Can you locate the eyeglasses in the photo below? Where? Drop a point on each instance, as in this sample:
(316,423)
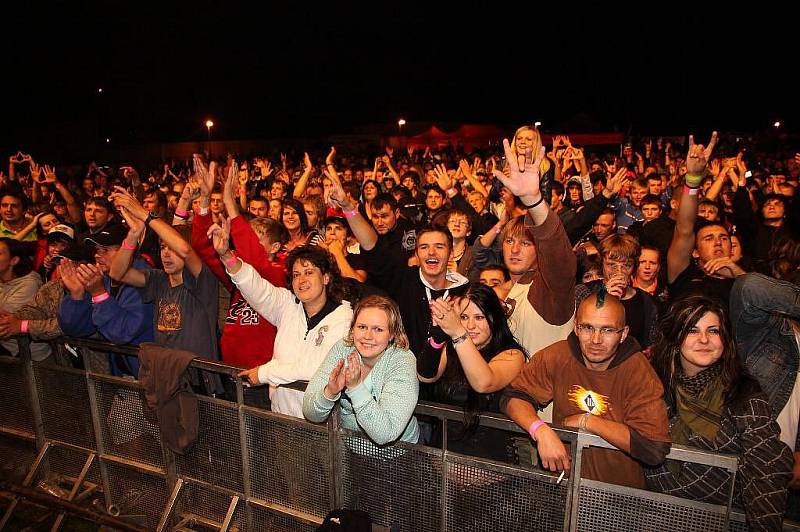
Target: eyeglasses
(584,329)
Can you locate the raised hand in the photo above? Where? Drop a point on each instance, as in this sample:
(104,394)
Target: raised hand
(130,173)
(331,155)
(389,151)
(191,191)
(124,199)
(523,178)
(307,162)
(697,160)
(49,174)
(35,171)
(463,165)
(615,183)
(336,196)
(135,225)
(205,174)
(266,169)
(444,181)
(714,168)
(220,235)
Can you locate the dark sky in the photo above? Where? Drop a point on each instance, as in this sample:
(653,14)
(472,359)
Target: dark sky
(297,69)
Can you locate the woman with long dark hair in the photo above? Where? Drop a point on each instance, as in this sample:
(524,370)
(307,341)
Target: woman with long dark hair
(484,359)
(296,223)
(714,405)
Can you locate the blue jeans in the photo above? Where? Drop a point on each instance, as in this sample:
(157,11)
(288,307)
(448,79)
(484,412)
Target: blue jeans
(761,307)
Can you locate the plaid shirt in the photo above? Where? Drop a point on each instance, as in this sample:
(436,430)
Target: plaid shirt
(765,466)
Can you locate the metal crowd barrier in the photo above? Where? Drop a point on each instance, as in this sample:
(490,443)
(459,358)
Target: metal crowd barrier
(77,442)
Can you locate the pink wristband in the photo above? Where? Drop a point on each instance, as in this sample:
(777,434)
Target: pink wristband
(350,214)
(229,263)
(692,191)
(23,326)
(102,297)
(182,213)
(129,247)
(534,427)
(434,344)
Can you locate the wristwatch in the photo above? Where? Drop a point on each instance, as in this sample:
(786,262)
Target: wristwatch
(150,218)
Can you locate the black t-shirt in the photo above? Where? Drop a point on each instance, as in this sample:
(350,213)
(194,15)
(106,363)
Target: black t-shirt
(694,282)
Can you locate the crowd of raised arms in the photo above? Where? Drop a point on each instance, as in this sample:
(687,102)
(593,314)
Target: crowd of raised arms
(647,296)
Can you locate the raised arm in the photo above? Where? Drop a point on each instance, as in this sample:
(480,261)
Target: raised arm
(121,266)
(483,377)
(474,181)
(362,229)
(167,233)
(73,209)
(300,186)
(523,181)
(388,162)
(680,250)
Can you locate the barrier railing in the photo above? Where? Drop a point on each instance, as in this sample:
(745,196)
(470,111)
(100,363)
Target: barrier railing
(76,440)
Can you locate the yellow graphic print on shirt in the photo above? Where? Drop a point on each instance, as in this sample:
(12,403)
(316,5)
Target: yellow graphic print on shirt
(169,316)
(589,401)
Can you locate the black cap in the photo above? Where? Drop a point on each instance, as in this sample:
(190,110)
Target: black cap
(111,235)
(336,219)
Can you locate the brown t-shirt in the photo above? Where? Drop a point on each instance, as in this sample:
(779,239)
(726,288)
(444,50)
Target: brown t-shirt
(628,392)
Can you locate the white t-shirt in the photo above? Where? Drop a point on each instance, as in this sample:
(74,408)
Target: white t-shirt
(788,418)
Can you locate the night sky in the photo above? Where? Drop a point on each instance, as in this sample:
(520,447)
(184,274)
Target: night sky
(303,70)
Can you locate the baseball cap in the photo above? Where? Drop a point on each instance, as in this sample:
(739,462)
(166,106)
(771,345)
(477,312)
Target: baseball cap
(111,235)
(61,232)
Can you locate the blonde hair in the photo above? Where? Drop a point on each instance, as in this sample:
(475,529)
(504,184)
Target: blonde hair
(392,311)
(537,146)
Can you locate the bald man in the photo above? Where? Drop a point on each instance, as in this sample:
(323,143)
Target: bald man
(598,381)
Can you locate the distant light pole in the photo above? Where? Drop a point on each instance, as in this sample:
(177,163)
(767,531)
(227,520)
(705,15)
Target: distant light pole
(400,124)
(777,124)
(209,125)
(537,124)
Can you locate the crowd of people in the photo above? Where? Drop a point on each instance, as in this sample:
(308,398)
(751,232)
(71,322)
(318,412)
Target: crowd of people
(649,296)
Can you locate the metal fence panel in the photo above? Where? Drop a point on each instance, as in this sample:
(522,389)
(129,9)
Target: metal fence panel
(265,519)
(16,457)
(15,401)
(216,456)
(401,484)
(64,400)
(200,504)
(501,499)
(289,463)
(126,431)
(137,493)
(614,508)
(60,468)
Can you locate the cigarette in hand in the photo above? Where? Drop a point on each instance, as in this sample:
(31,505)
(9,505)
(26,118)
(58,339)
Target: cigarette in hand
(560,477)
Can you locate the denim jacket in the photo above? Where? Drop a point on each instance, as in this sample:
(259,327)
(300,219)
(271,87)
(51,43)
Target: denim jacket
(761,311)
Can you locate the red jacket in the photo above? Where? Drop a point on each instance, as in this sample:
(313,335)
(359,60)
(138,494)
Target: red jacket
(247,338)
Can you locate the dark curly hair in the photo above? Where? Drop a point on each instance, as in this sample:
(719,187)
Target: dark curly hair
(325,262)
